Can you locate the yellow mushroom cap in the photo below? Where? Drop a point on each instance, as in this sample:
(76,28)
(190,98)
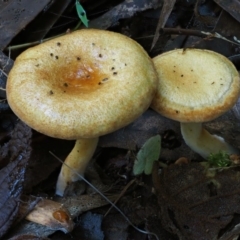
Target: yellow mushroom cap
(82,85)
(195,85)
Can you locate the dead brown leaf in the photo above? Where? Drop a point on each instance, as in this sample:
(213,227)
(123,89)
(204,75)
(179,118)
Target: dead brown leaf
(124,10)
(28,237)
(17,152)
(230,6)
(165,12)
(197,202)
(75,205)
(15,15)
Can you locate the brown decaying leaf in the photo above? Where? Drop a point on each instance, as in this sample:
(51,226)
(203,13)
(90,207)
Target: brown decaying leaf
(79,204)
(75,205)
(52,214)
(230,6)
(28,237)
(5,65)
(124,10)
(165,12)
(15,15)
(197,202)
(17,151)
(45,21)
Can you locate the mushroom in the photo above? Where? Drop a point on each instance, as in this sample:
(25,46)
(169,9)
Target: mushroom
(81,86)
(196,86)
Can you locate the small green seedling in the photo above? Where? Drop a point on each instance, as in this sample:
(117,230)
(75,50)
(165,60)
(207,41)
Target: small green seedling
(81,13)
(220,159)
(146,156)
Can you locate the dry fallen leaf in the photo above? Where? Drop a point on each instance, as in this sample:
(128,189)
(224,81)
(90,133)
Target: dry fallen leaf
(28,237)
(164,15)
(52,214)
(17,152)
(15,15)
(124,10)
(197,202)
(75,205)
(230,6)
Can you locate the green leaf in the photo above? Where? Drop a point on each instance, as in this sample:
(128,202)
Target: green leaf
(146,156)
(81,13)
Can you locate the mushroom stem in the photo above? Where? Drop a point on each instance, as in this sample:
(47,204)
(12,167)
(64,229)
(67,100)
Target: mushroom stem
(78,159)
(202,142)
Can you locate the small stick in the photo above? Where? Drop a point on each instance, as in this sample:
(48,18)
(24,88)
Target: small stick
(197,33)
(120,195)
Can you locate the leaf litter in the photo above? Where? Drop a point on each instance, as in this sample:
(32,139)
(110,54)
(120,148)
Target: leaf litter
(17,153)
(197,202)
(206,204)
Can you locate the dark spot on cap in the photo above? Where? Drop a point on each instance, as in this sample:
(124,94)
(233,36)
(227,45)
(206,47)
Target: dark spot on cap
(177,111)
(182,75)
(114,73)
(78,58)
(112,68)
(56,57)
(100,55)
(65,85)
(212,83)
(58,43)
(51,92)
(51,54)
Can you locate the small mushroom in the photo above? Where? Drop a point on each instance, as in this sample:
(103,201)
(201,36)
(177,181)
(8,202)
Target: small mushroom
(196,86)
(73,94)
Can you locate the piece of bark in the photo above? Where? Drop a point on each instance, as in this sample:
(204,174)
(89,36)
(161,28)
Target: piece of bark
(17,151)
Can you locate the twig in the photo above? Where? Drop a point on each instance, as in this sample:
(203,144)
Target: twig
(42,40)
(120,195)
(32,43)
(177,31)
(3,73)
(198,34)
